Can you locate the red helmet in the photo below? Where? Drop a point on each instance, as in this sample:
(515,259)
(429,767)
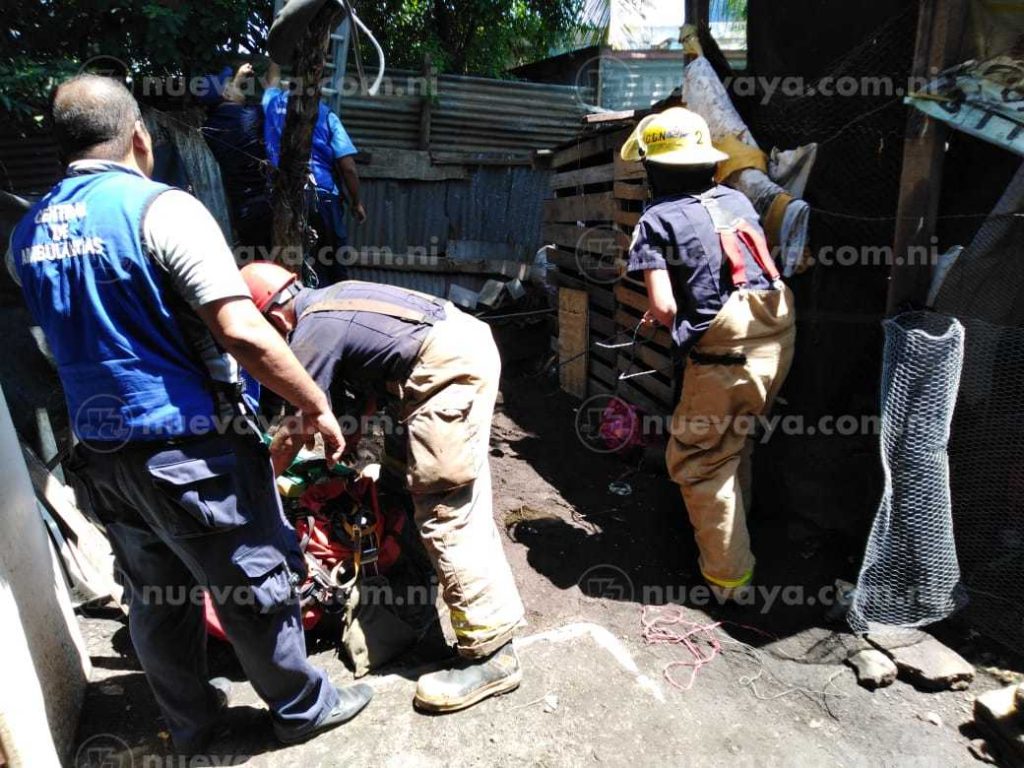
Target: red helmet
(267,282)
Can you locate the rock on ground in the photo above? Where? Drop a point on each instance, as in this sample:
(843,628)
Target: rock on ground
(999,720)
(874,669)
(925,661)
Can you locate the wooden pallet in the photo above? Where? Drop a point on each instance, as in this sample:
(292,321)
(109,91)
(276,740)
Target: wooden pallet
(596,201)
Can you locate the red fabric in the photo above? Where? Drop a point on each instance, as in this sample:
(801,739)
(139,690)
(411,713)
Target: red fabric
(758,246)
(733,254)
(213,625)
(620,425)
(754,240)
(324,547)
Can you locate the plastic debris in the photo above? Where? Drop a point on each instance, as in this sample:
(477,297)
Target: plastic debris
(620,488)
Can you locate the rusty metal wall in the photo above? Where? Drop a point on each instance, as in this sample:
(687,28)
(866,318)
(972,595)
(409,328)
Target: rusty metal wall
(494,205)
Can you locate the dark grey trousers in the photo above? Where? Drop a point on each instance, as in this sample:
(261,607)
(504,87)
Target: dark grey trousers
(205,513)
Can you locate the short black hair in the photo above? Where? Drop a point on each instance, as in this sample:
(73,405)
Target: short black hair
(93,116)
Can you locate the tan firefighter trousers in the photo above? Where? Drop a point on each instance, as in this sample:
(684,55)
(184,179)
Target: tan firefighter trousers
(447,407)
(730,380)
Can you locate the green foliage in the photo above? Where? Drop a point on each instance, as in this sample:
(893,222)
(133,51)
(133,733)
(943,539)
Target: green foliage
(47,40)
(469,36)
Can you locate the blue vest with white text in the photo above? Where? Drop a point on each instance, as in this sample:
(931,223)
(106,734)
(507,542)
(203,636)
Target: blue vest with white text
(128,372)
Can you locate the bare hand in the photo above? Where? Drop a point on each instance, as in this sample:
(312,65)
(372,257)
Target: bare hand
(244,71)
(300,430)
(359,211)
(334,441)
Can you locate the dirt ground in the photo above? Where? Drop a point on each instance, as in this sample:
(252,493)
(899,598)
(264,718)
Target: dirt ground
(594,693)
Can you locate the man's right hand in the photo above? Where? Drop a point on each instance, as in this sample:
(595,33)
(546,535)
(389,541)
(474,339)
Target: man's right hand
(298,431)
(359,211)
(244,333)
(334,441)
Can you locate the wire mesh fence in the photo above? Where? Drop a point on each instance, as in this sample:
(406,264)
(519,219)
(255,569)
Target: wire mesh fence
(910,576)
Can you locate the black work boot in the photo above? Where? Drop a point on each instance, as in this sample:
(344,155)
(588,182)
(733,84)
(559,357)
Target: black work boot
(222,692)
(351,701)
(473,680)
(220,689)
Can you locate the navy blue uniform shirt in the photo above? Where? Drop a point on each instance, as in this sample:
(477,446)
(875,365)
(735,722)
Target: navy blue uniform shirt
(677,234)
(360,351)
(234,133)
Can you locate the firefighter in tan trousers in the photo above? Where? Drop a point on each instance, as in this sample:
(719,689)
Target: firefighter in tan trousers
(712,282)
(441,368)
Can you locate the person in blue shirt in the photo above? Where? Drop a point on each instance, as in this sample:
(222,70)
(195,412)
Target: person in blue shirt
(332,159)
(712,282)
(234,132)
(148,320)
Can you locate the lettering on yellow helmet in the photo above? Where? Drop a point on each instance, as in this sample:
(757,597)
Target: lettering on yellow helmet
(658,135)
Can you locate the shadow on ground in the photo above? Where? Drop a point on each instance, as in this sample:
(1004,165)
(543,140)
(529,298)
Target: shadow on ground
(639,548)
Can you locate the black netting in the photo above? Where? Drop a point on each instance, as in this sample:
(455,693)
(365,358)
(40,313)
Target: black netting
(985,289)
(855,184)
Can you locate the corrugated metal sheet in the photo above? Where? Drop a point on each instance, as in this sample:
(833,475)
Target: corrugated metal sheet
(471,114)
(494,205)
(636,83)
(390,119)
(425,282)
(29,165)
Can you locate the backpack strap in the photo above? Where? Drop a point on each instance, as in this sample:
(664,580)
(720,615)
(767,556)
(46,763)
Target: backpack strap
(375,306)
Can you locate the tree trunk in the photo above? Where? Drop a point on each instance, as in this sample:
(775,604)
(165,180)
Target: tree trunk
(297,137)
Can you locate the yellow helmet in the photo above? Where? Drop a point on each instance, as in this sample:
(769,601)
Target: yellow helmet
(676,136)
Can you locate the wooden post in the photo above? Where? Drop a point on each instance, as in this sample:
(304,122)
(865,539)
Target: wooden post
(427,103)
(297,136)
(573,335)
(940,29)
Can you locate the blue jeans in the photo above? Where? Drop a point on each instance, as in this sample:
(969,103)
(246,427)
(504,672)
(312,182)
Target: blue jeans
(204,512)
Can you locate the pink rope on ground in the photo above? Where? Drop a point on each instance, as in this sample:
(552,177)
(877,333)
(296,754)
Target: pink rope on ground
(670,626)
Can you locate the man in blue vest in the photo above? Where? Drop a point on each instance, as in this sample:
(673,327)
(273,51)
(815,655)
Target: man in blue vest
(331,161)
(148,320)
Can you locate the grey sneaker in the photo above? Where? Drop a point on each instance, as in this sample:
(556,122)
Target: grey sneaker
(473,680)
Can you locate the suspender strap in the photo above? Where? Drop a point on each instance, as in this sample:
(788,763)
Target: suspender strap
(758,246)
(731,232)
(734,255)
(370,305)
